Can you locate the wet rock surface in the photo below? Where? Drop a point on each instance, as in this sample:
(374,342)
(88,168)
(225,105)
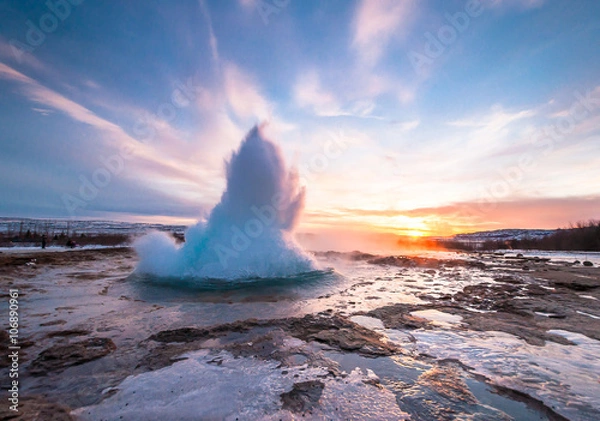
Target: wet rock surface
(4,341)
(339,332)
(549,297)
(527,304)
(424,262)
(303,397)
(447,384)
(264,339)
(59,357)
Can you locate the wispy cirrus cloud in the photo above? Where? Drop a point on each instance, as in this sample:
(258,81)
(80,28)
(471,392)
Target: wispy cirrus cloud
(243,95)
(115,137)
(212,39)
(516,4)
(9,53)
(495,119)
(376,23)
(42,95)
(309,93)
(407,126)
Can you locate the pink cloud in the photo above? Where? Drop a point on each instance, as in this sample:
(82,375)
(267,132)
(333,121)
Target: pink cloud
(375,23)
(243,96)
(309,93)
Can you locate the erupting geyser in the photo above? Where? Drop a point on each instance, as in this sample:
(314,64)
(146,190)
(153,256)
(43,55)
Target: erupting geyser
(249,233)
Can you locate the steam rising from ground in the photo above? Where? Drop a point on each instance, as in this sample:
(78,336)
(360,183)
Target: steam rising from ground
(249,233)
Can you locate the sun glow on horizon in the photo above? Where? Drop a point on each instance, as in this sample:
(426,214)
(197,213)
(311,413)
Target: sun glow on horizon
(380,145)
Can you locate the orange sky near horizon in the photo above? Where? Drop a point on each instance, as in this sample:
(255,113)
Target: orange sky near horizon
(460,218)
(436,221)
(500,130)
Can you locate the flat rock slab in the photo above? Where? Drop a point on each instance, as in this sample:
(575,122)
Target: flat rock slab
(303,397)
(59,357)
(256,338)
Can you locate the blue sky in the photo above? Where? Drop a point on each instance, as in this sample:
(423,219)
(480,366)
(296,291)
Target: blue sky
(127,110)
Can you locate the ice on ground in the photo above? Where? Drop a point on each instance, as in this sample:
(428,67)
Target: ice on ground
(219,386)
(588,314)
(368,322)
(543,372)
(439,318)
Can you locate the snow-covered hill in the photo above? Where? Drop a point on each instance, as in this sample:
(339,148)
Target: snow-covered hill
(503,235)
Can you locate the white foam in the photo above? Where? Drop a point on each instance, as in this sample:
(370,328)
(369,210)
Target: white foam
(249,233)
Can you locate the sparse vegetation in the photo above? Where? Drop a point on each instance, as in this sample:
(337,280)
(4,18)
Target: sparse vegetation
(28,232)
(35,240)
(582,236)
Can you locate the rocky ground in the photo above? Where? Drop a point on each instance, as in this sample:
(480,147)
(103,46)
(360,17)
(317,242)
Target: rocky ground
(531,298)
(525,297)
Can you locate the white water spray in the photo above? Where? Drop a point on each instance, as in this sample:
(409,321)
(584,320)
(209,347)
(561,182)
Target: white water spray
(249,233)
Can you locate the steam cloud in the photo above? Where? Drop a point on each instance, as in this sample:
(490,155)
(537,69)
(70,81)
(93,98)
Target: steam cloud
(248,234)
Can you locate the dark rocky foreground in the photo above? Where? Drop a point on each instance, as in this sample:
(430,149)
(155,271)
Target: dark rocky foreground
(526,298)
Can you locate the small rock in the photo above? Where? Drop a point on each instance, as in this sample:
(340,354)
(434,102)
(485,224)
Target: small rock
(54,322)
(68,333)
(303,396)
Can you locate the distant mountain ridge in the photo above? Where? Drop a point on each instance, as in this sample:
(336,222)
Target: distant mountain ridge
(504,235)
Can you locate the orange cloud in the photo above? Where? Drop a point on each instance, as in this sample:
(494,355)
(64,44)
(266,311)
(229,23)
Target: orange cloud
(542,213)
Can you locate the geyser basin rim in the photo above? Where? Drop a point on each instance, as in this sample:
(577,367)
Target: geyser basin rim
(211,284)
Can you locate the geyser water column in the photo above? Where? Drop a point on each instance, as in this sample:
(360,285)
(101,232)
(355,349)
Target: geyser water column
(249,233)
